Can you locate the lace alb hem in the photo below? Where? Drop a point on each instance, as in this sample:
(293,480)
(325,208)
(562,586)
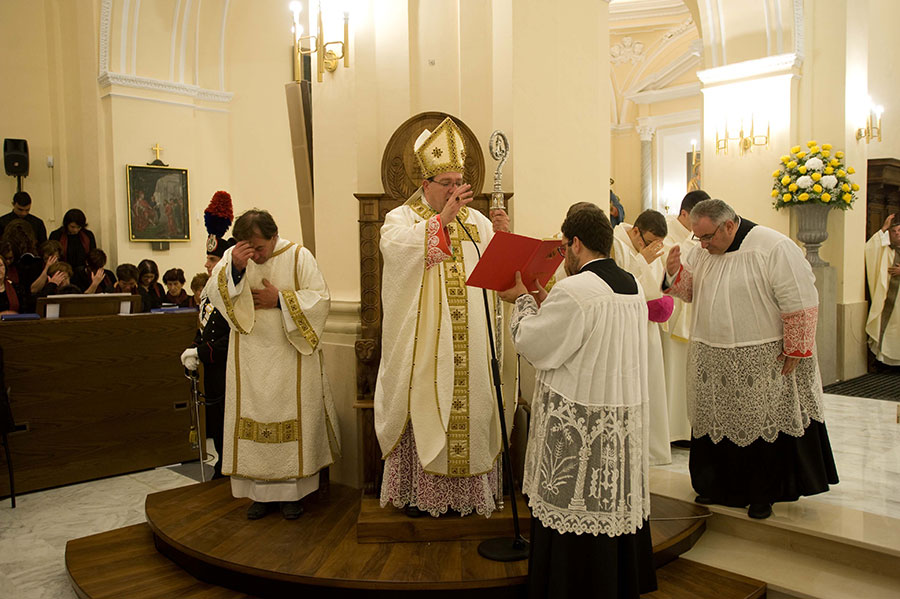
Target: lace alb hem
(406,483)
(612,525)
(586,467)
(740,393)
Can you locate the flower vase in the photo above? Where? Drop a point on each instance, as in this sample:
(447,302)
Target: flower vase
(813,229)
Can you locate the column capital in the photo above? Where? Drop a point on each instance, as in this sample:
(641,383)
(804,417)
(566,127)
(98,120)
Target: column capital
(646,132)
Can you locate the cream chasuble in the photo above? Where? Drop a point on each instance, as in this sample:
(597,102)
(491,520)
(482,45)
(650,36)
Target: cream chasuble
(435,363)
(883,323)
(280,421)
(675,337)
(650,277)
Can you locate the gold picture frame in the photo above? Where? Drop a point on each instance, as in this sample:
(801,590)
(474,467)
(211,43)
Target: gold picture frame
(158,203)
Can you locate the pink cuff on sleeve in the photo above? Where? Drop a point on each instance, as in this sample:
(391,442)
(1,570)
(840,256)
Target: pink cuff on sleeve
(800,332)
(683,287)
(437,243)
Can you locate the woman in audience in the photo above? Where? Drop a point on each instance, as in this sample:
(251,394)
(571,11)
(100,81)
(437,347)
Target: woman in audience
(151,291)
(94,278)
(128,278)
(12,298)
(75,238)
(174,280)
(25,266)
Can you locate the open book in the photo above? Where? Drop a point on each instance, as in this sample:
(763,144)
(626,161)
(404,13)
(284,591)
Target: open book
(508,253)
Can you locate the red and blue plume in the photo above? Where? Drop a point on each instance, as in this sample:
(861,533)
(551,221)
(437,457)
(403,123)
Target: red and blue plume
(219,214)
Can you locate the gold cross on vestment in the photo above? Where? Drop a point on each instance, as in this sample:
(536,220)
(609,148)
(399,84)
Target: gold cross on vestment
(157,149)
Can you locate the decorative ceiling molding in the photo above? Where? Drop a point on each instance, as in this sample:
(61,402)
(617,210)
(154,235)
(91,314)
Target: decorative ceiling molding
(781,64)
(664,95)
(646,9)
(105,18)
(107,78)
(170,87)
(191,105)
(670,72)
(685,117)
(627,50)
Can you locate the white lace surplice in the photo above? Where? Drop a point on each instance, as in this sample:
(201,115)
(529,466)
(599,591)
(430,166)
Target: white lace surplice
(750,306)
(586,465)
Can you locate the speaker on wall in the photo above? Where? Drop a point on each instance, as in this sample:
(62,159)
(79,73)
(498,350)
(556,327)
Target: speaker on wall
(15,157)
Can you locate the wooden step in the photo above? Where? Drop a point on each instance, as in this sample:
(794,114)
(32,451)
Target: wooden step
(125,563)
(685,579)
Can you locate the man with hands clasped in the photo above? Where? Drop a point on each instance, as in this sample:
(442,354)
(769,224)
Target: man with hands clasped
(754,394)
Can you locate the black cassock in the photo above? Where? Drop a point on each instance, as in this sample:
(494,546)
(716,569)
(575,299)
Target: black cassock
(586,565)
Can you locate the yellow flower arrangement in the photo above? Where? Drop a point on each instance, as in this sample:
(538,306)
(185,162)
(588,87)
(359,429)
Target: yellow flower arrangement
(814,174)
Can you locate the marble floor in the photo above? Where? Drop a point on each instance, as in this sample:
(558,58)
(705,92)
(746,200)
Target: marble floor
(864,433)
(865,441)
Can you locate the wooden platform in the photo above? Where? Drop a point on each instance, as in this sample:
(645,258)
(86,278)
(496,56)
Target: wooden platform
(125,563)
(390,525)
(204,531)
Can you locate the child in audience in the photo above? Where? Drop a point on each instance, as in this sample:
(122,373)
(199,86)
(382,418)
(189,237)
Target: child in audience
(51,253)
(174,280)
(128,279)
(59,275)
(197,285)
(152,293)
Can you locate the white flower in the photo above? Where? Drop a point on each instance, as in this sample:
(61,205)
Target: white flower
(829,181)
(805,181)
(815,164)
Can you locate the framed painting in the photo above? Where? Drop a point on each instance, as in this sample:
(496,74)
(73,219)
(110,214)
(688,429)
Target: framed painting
(158,208)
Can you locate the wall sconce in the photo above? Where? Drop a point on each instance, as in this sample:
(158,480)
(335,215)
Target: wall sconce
(326,59)
(745,142)
(873,123)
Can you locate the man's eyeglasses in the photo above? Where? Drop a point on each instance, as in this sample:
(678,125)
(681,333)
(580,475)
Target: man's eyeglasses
(706,238)
(450,183)
(561,250)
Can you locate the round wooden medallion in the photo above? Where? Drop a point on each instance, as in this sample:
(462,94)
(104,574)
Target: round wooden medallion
(400,172)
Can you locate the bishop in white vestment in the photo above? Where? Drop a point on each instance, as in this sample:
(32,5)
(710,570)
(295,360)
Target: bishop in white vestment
(436,415)
(638,250)
(586,465)
(883,273)
(281,427)
(754,391)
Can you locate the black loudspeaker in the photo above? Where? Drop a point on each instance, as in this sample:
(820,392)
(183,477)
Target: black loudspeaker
(15,157)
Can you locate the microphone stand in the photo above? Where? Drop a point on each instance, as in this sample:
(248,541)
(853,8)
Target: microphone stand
(500,549)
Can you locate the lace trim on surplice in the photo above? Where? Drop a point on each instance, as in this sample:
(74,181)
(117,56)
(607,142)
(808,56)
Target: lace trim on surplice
(740,393)
(586,466)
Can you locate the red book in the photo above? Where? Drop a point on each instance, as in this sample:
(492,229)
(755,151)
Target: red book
(508,253)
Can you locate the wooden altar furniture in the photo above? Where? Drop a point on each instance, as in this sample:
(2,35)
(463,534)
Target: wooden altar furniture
(96,396)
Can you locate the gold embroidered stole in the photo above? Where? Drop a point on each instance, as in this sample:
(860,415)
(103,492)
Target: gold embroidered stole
(288,431)
(454,269)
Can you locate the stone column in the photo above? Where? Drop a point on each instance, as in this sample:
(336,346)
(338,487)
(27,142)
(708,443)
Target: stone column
(646,132)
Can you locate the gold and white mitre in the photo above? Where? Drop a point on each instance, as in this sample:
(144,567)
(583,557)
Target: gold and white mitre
(441,151)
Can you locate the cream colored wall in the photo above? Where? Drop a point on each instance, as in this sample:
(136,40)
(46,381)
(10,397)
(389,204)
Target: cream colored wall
(884,74)
(626,171)
(561,110)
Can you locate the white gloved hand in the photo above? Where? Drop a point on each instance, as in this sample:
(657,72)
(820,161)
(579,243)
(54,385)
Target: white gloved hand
(190,359)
